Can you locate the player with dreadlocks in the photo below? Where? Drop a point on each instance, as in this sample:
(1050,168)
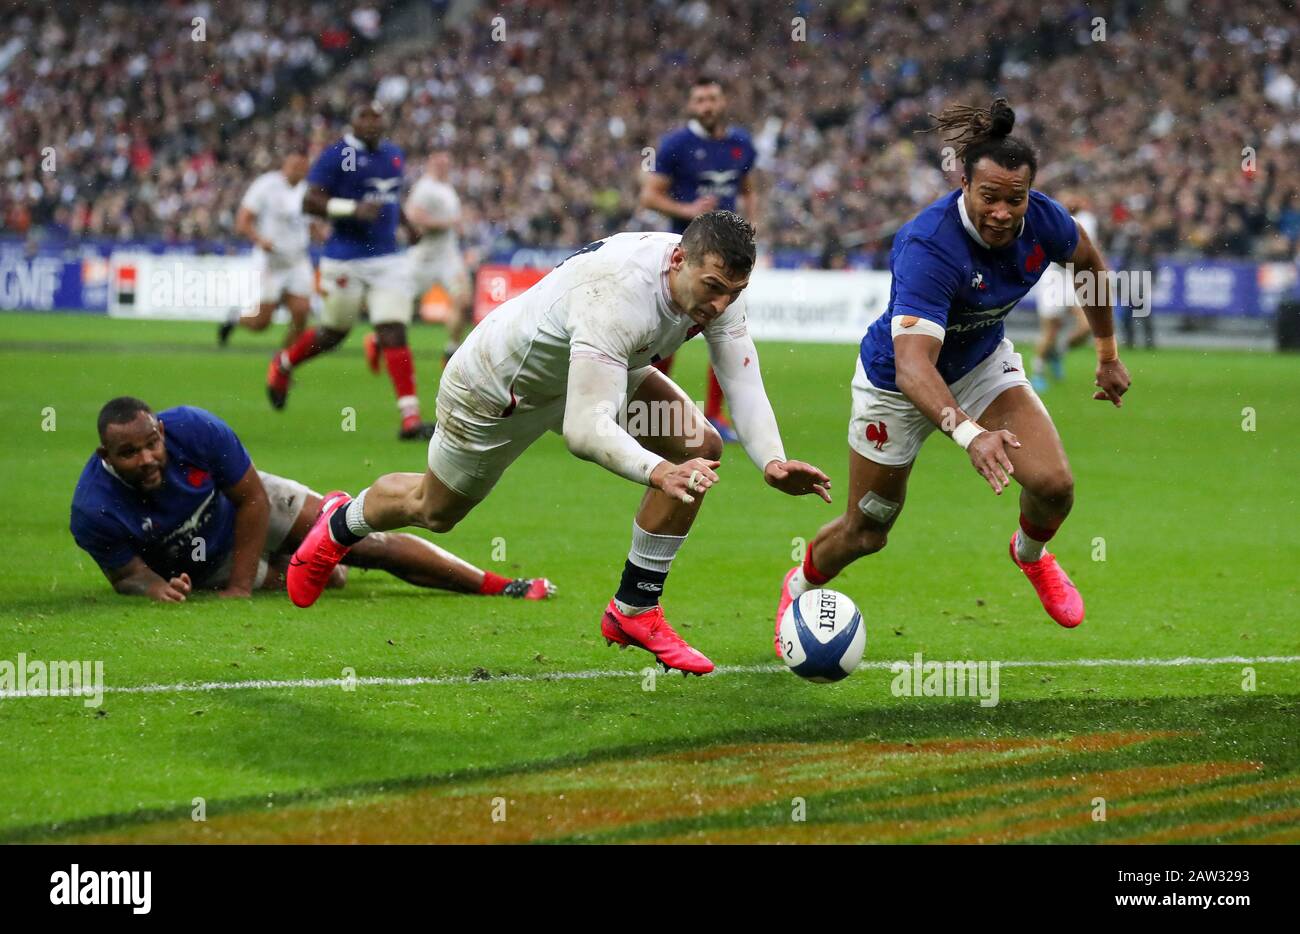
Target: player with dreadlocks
(938,358)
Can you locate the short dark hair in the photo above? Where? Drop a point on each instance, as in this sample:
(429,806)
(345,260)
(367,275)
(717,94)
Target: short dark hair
(705,80)
(724,233)
(985,133)
(119,411)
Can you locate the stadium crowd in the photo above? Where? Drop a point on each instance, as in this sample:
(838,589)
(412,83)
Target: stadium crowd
(1179,119)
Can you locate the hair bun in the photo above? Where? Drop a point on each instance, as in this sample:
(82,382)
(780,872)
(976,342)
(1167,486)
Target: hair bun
(1001,118)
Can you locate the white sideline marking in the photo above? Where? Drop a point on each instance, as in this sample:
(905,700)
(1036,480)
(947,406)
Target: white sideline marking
(270,685)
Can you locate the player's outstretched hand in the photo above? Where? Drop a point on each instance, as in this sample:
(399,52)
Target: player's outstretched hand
(797,479)
(366,211)
(1113,378)
(172,591)
(681,480)
(988,454)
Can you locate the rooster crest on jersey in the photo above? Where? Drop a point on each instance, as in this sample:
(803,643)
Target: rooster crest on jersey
(822,636)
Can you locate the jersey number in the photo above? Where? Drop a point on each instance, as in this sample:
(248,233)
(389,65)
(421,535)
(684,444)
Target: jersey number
(589,248)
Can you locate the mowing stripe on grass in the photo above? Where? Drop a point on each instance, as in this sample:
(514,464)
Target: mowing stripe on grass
(595,674)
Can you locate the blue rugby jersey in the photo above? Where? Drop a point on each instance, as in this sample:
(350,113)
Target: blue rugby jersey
(349,169)
(944,274)
(700,165)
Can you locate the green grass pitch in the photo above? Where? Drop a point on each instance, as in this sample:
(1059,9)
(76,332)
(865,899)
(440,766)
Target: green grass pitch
(1195,517)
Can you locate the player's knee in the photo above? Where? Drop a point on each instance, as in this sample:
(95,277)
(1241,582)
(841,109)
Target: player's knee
(1057,488)
(435,520)
(868,539)
(710,446)
(330,337)
(391,335)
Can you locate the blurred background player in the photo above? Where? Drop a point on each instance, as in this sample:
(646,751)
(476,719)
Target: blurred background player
(566,356)
(1056,299)
(938,357)
(271,216)
(433,209)
(171,502)
(356,183)
(703,166)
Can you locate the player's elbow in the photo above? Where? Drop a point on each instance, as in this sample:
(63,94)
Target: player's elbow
(578,438)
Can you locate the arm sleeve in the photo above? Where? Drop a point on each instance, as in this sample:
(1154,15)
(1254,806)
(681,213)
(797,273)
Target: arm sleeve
(98,539)
(925,284)
(597,393)
(735,361)
(605,326)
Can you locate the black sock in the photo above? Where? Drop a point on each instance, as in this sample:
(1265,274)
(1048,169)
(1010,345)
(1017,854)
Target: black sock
(339,528)
(640,586)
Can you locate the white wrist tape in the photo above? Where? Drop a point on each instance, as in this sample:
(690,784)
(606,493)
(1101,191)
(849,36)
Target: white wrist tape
(965,433)
(341,207)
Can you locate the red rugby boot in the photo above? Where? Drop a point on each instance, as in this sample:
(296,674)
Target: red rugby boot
(1060,597)
(277,383)
(523,588)
(650,631)
(782,605)
(315,559)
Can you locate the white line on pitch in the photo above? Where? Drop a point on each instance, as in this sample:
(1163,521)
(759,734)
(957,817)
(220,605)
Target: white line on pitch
(271,685)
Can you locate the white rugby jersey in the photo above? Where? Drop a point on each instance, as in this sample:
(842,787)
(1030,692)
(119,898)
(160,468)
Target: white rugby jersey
(440,201)
(610,299)
(280,218)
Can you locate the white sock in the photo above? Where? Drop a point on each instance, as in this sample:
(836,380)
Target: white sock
(799,584)
(1028,550)
(356,517)
(653,552)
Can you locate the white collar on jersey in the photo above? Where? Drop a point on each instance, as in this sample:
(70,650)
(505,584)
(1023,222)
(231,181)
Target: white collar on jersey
(109,467)
(664,291)
(355,143)
(970,228)
(698,129)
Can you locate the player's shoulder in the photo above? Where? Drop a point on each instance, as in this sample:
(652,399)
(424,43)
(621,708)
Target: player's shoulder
(676,138)
(336,149)
(628,264)
(638,254)
(1047,217)
(1044,205)
(740,136)
(185,420)
(97,499)
(937,231)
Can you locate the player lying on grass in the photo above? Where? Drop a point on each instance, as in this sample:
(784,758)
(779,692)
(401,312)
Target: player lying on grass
(938,357)
(170,503)
(566,356)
